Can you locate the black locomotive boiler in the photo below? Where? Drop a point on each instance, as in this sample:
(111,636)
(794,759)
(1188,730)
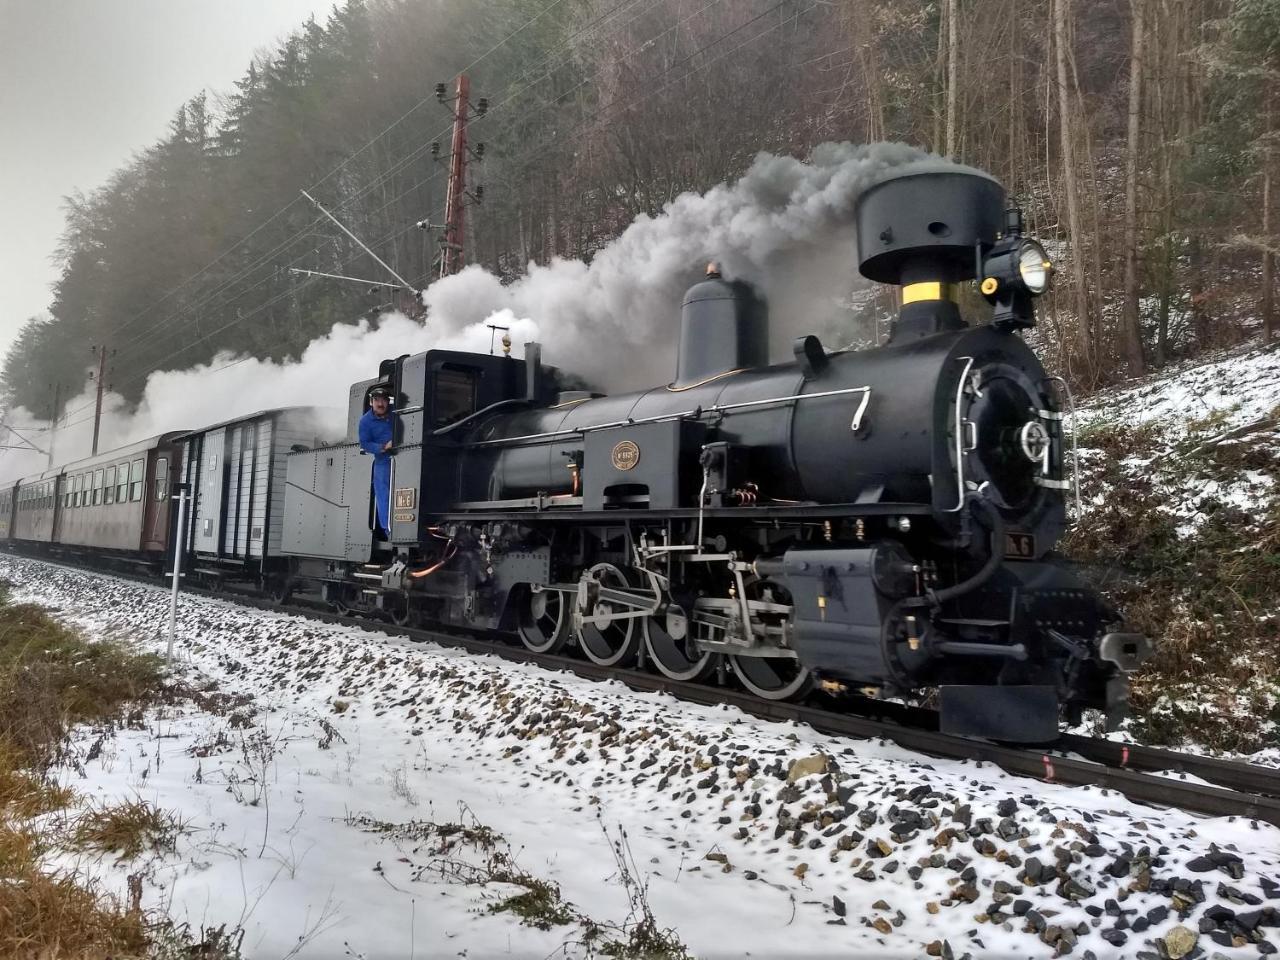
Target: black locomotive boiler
(879,520)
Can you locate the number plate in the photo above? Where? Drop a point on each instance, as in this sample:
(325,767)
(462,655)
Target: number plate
(1019,546)
(406,498)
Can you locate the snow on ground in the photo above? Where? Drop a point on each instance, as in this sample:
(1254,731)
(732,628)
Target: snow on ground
(1230,392)
(1240,385)
(308,796)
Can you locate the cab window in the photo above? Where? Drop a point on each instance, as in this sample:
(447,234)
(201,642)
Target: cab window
(454,394)
(136,480)
(162,477)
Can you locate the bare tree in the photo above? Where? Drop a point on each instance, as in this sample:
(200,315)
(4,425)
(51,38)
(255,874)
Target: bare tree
(1132,320)
(1061,39)
(953,85)
(1268,249)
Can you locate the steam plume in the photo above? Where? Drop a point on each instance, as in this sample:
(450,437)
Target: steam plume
(785,225)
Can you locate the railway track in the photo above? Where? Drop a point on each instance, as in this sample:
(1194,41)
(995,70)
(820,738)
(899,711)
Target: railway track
(1147,775)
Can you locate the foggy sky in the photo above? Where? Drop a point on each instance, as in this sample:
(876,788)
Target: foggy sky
(86,83)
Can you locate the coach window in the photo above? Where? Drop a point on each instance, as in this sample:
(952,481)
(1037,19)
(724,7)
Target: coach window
(135,480)
(122,482)
(97,487)
(109,486)
(455,394)
(78,491)
(66,494)
(162,477)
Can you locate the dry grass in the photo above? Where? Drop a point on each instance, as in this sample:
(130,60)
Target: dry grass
(52,678)
(47,915)
(126,829)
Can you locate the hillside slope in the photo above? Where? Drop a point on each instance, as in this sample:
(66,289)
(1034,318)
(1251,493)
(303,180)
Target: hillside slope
(1181,527)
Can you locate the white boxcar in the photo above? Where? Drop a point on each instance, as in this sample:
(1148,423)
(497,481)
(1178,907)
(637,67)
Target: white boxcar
(237,474)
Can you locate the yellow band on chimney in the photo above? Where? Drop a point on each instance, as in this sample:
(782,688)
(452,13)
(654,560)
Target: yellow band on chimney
(929,290)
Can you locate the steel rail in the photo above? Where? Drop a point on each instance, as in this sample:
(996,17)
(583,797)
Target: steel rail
(1239,789)
(1246,790)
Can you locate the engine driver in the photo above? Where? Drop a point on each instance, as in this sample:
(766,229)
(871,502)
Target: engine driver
(377,438)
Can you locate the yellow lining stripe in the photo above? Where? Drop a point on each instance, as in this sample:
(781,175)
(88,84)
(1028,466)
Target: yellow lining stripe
(928,290)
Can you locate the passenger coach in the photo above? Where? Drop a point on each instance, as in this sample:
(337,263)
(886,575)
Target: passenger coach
(118,502)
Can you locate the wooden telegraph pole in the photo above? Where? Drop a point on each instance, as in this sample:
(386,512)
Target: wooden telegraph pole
(101,350)
(53,423)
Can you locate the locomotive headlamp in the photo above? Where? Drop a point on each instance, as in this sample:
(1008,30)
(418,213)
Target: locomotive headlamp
(1034,267)
(1015,262)
(1013,273)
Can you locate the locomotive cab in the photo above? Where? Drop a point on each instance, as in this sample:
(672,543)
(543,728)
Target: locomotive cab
(440,394)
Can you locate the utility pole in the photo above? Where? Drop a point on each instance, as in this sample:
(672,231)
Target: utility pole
(101,350)
(453,251)
(53,423)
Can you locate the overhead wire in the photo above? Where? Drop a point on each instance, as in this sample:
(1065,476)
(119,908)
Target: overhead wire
(523,156)
(347,160)
(400,165)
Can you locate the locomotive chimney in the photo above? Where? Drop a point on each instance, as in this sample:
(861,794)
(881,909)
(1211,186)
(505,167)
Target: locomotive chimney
(926,232)
(724,326)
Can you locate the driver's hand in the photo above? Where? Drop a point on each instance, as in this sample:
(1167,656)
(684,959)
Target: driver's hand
(386,447)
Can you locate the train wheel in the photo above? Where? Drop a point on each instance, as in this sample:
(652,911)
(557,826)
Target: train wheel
(678,659)
(618,643)
(773,678)
(544,621)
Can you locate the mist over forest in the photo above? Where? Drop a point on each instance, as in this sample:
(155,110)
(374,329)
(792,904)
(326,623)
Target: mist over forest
(1139,139)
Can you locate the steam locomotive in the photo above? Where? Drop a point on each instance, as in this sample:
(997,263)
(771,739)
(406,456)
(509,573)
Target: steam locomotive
(879,521)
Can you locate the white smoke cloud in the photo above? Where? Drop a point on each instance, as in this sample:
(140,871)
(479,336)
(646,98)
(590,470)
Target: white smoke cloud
(230,386)
(785,225)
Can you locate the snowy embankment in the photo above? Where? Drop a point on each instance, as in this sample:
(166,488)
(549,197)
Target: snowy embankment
(318,768)
(1230,400)
(1180,483)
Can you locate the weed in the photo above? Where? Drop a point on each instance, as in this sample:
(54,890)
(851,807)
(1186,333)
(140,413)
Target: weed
(171,942)
(127,829)
(471,853)
(540,906)
(400,785)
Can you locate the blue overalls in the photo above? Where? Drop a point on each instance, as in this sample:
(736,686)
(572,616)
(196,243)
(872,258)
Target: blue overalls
(374,433)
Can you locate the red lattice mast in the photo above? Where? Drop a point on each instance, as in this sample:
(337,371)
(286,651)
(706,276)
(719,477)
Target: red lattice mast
(453,253)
